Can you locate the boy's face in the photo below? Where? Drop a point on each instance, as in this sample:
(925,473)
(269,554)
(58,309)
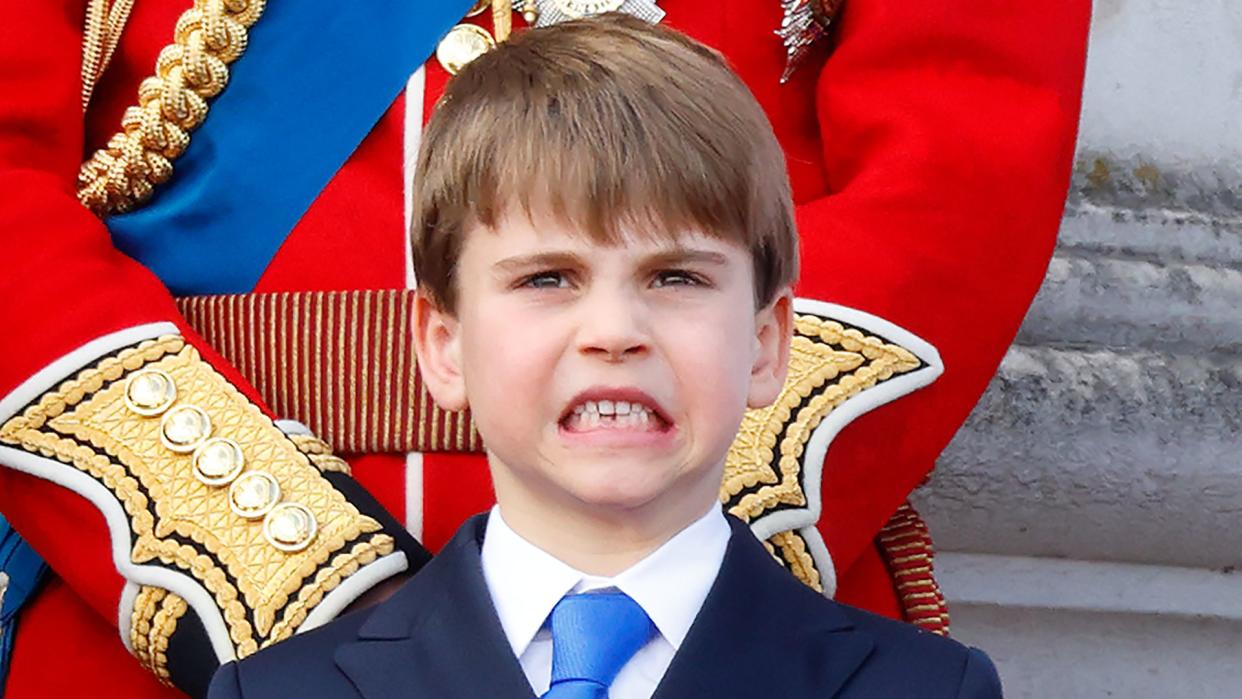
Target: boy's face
(604,377)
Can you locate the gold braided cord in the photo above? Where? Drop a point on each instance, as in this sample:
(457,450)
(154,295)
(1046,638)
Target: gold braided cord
(171,104)
(105,19)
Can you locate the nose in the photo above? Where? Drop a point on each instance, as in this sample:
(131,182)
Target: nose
(612,326)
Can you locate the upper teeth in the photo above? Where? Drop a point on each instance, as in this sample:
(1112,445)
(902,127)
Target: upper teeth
(609,407)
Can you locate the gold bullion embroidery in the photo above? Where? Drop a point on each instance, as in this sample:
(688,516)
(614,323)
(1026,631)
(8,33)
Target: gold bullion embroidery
(790,549)
(319,453)
(172,608)
(152,623)
(829,363)
(179,522)
(146,604)
(172,103)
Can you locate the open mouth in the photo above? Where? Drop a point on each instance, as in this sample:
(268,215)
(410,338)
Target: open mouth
(634,413)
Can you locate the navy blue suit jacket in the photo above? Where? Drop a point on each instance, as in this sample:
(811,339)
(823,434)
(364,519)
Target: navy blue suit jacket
(760,633)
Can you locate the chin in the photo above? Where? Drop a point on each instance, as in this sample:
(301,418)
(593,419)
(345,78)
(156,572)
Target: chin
(617,491)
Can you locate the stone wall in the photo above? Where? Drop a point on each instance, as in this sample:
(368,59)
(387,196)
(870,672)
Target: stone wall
(1089,511)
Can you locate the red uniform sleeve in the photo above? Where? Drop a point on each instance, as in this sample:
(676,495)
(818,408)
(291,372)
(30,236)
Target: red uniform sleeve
(63,283)
(102,511)
(948,130)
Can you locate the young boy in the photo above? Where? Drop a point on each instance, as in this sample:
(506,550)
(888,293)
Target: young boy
(604,243)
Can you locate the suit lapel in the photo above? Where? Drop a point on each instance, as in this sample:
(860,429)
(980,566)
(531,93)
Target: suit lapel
(438,636)
(760,633)
(763,633)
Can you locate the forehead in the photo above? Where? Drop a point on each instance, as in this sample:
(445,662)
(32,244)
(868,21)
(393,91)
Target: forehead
(517,237)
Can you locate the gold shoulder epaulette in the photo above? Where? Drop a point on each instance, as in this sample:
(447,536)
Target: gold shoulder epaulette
(842,364)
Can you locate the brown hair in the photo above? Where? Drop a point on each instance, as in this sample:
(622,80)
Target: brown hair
(613,125)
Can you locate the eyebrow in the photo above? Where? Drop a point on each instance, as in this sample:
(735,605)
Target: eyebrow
(672,256)
(518,263)
(681,256)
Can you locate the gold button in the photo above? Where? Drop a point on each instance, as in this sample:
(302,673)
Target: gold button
(478,8)
(184,428)
(289,527)
(463,44)
(218,461)
(150,392)
(254,494)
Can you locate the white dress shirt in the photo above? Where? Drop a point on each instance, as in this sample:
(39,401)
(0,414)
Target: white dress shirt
(670,584)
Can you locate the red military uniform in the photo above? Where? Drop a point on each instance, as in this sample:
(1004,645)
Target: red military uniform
(929,148)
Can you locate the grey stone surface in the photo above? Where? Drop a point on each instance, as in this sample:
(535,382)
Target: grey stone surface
(1098,454)
(1063,628)
(1164,81)
(1113,429)
(1090,586)
(1072,655)
(1137,302)
(1092,227)
(1126,181)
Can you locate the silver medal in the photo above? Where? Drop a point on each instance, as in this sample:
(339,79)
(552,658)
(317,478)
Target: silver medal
(554,11)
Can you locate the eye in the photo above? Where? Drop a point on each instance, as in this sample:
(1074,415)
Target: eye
(545,280)
(678,277)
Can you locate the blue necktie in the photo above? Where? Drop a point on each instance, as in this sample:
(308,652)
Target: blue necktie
(593,636)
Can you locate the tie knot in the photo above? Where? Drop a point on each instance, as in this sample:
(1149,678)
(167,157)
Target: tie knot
(594,635)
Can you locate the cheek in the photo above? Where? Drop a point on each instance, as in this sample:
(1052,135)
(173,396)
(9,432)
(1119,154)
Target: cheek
(713,364)
(506,363)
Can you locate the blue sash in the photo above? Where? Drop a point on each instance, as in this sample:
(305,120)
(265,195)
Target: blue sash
(315,77)
(24,569)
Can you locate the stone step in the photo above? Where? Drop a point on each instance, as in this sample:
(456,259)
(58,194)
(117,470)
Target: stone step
(1149,631)
(1098,454)
(1121,299)
(1157,235)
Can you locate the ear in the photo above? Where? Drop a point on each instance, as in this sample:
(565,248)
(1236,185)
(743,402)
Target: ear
(773,333)
(437,344)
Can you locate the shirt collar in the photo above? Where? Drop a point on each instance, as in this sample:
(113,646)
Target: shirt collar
(670,584)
